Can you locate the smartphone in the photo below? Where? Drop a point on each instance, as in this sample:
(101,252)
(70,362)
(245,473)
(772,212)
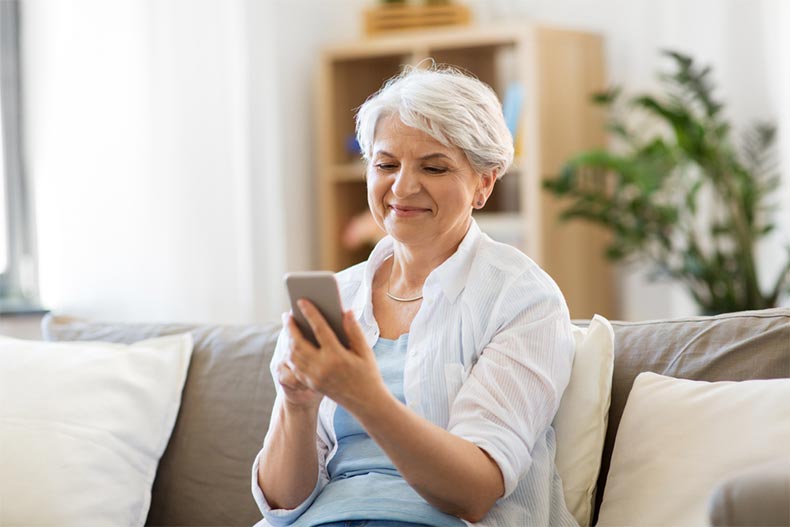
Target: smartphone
(320,288)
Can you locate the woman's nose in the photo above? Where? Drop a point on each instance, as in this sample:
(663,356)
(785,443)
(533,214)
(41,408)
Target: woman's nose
(406,183)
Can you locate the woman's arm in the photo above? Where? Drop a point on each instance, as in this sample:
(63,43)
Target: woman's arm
(288,469)
(451,473)
(288,464)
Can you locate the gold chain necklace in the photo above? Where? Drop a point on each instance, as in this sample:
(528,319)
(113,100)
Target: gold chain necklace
(397,298)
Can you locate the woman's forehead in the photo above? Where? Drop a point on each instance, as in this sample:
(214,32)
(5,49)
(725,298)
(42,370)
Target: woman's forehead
(392,136)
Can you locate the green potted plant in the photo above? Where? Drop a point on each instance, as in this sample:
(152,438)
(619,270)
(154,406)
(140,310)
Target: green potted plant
(680,194)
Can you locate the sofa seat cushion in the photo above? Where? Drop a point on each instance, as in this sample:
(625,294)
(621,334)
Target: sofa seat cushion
(203,476)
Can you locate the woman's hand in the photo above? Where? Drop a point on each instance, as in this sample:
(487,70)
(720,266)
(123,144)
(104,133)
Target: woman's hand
(349,376)
(297,395)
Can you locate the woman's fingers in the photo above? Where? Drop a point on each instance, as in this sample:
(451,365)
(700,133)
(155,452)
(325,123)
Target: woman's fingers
(290,379)
(301,351)
(331,369)
(293,379)
(356,337)
(296,390)
(323,333)
(287,377)
(293,330)
(298,340)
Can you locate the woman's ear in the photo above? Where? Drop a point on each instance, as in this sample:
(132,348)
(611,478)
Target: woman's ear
(484,188)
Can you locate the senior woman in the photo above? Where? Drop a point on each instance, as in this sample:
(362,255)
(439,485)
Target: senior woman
(439,412)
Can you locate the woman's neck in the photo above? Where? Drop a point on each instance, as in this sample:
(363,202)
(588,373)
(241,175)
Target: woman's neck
(411,265)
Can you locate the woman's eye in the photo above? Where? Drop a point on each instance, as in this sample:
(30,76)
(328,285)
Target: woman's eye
(386,166)
(435,170)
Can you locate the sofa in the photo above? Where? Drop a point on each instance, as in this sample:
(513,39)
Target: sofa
(203,477)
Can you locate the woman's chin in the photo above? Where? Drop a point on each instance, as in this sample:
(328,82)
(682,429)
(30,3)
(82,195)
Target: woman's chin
(407,231)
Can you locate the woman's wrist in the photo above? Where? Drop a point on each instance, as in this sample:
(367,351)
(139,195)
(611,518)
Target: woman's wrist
(372,404)
(300,411)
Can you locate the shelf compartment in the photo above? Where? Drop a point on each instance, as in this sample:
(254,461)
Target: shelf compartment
(350,199)
(349,172)
(353,81)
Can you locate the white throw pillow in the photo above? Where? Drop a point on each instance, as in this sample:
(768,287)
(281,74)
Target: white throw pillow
(581,420)
(82,428)
(678,438)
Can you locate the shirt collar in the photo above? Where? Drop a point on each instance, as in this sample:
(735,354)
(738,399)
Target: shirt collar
(450,275)
(453,272)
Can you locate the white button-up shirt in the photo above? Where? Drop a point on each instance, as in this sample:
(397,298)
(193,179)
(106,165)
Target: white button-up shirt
(489,356)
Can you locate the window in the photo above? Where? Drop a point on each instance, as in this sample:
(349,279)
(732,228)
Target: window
(18,283)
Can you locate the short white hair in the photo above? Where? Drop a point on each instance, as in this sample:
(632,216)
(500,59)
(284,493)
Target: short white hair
(454,108)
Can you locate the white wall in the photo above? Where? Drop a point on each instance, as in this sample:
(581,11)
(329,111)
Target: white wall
(285,39)
(776,45)
(297,30)
(171,142)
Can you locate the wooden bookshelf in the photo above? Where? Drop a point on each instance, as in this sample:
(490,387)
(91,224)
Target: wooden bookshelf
(557,70)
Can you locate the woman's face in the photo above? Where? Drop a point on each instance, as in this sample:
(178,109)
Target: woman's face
(420,191)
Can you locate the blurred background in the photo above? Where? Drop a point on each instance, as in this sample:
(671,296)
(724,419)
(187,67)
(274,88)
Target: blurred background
(177,157)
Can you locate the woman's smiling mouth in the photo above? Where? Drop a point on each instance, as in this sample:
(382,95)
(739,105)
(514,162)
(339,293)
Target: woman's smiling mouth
(406,211)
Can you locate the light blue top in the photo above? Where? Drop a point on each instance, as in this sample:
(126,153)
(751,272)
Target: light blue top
(364,484)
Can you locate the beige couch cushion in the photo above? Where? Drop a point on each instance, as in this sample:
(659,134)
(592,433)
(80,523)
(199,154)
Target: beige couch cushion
(580,422)
(679,438)
(83,426)
(203,477)
(730,347)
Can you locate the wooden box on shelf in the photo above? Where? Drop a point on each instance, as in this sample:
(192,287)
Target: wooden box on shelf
(554,70)
(397,17)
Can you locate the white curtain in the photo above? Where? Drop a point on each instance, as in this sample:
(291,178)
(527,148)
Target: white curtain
(157,181)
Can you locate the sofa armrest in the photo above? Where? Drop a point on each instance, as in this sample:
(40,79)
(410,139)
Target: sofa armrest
(757,497)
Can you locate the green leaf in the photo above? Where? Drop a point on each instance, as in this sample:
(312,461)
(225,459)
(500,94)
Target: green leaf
(607,97)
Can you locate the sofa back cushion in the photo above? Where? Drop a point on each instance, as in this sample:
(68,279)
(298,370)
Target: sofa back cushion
(204,475)
(731,347)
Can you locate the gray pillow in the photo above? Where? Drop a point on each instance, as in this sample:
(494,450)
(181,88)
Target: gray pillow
(730,347)
(204,475)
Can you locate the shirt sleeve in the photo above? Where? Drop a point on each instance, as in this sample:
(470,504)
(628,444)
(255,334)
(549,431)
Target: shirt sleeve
(514,390)
(281,517)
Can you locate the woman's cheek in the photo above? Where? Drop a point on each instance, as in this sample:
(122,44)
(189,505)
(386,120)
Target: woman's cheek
(376,206)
